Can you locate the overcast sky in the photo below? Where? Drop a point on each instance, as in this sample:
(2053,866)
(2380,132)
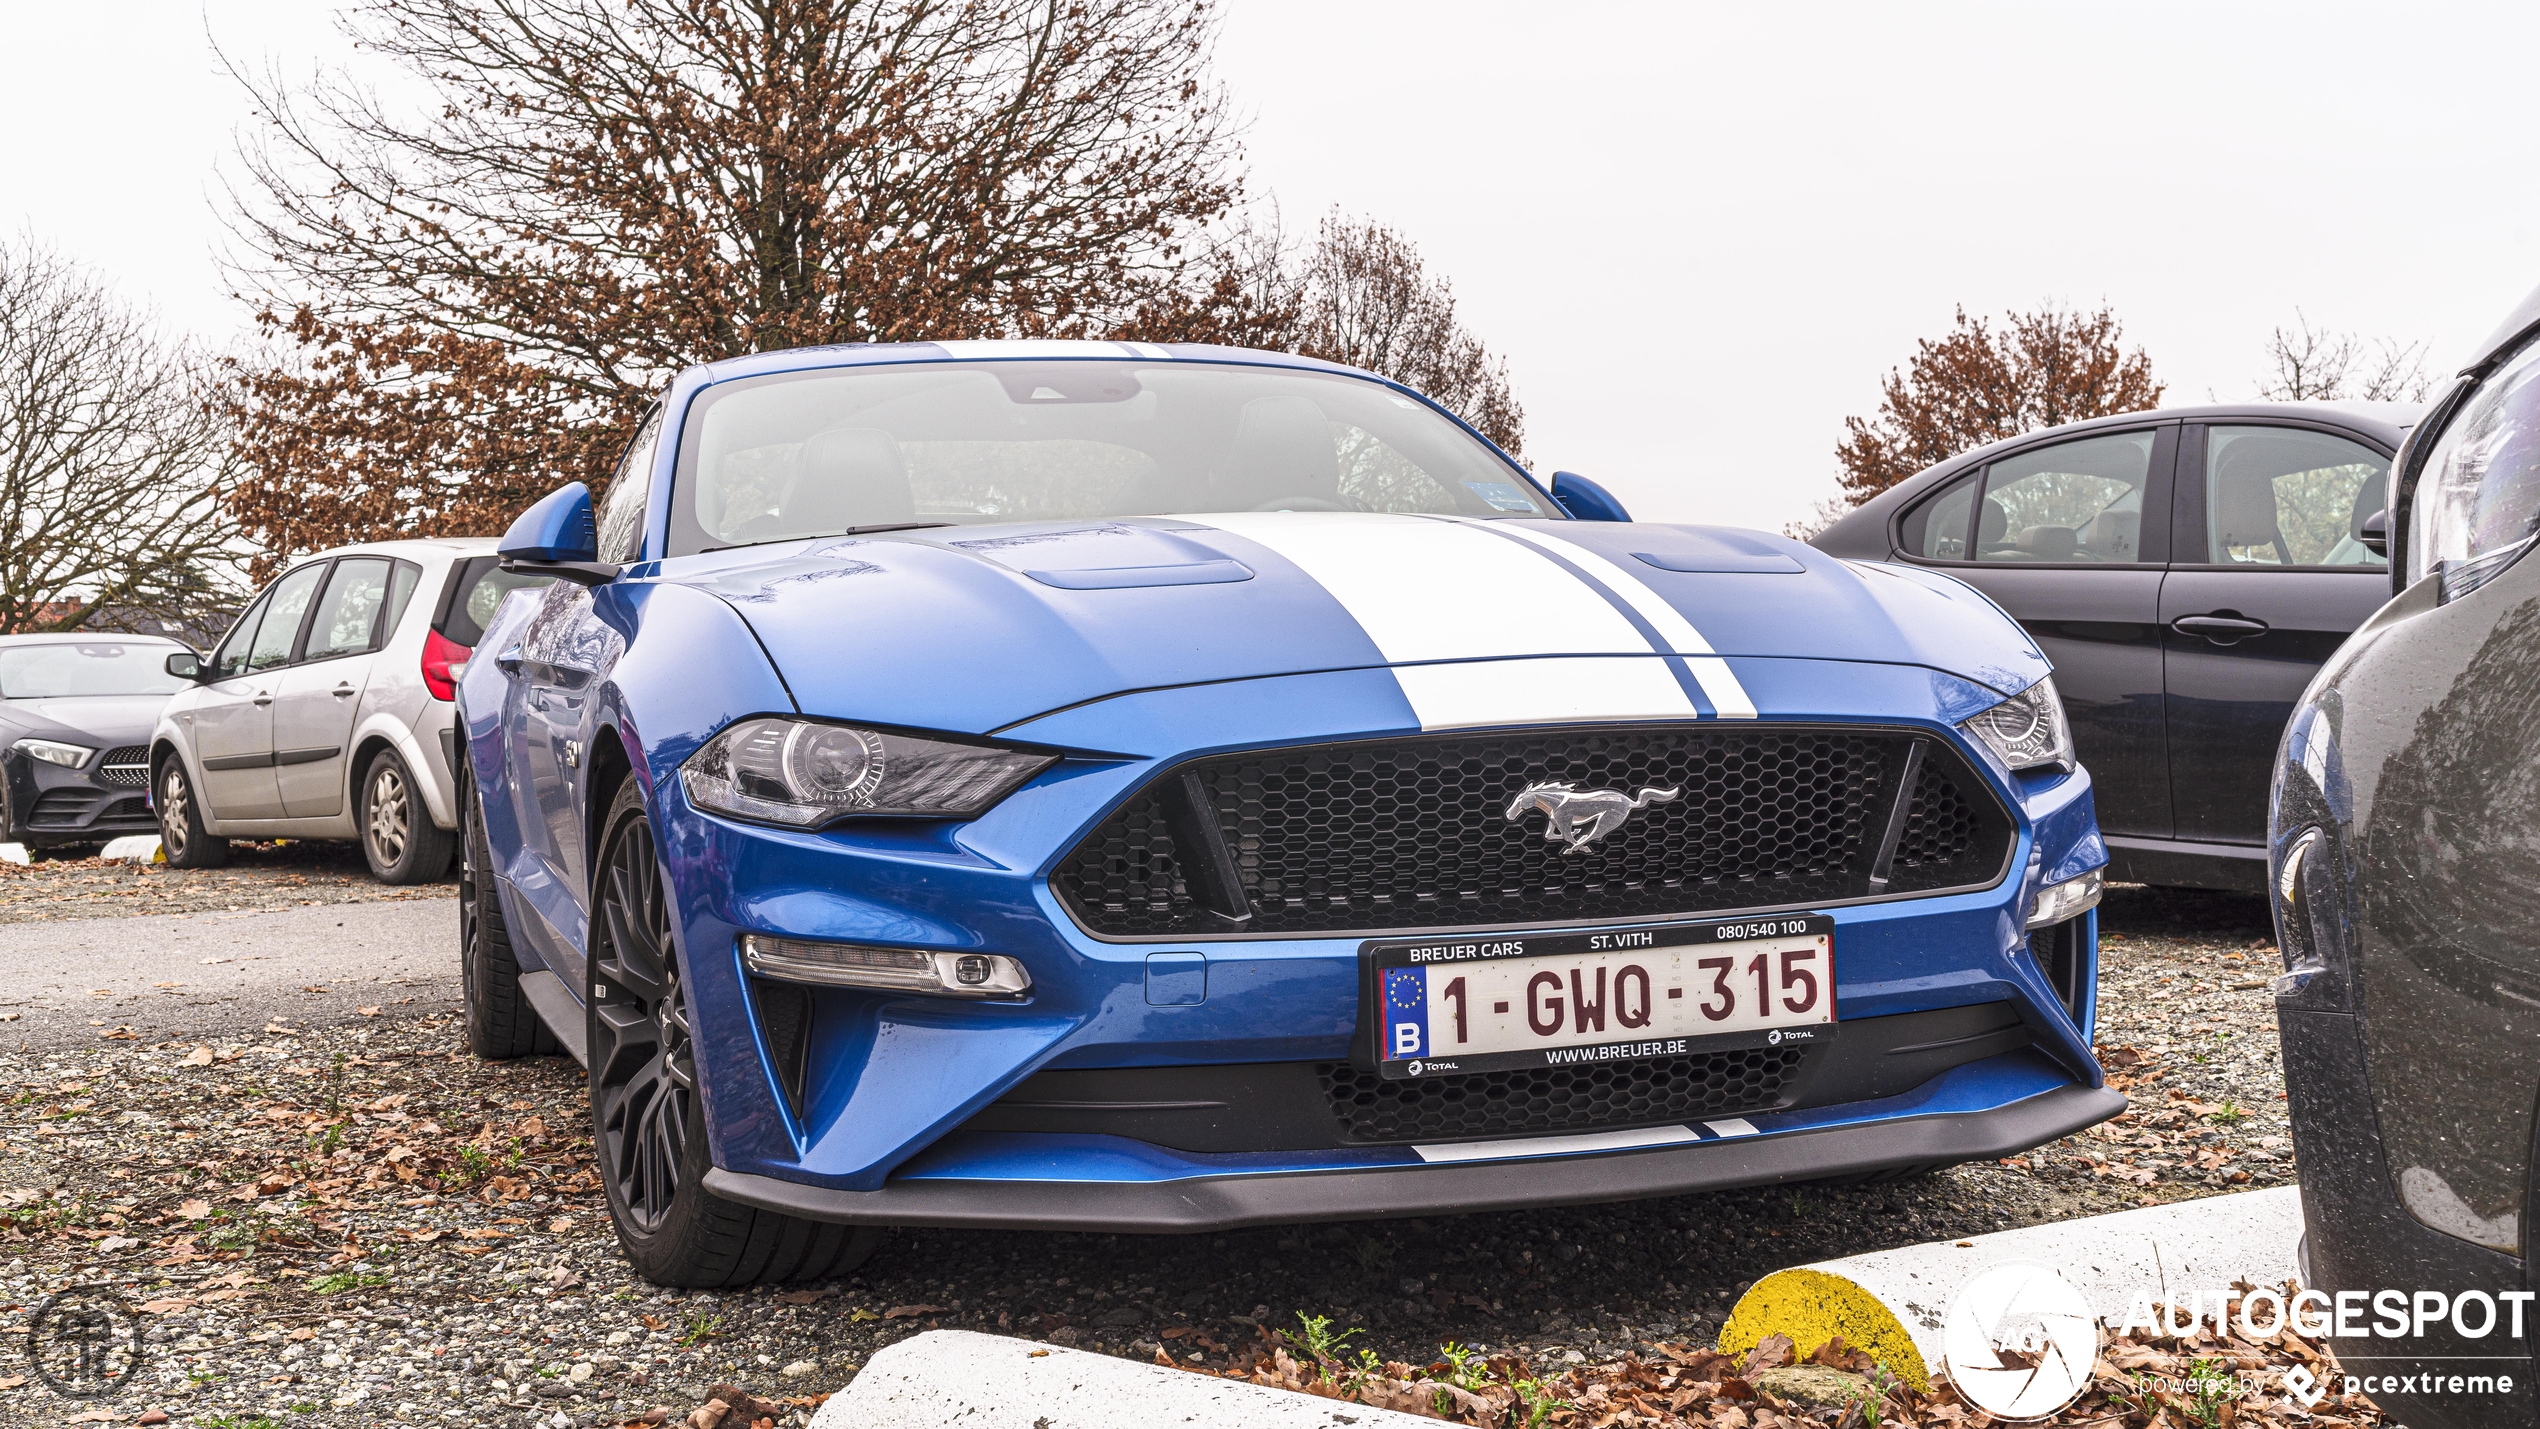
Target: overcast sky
(1699,233)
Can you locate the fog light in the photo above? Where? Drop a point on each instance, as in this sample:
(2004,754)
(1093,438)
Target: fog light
(2066,900)
(986,975)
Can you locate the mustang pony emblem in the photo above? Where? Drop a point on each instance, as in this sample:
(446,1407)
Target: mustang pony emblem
(1578,817)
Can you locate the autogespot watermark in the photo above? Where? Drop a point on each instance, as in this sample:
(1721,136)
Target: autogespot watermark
(2022,1343)
(84,1343)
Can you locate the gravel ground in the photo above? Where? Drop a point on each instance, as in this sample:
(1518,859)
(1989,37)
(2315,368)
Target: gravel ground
(58,884)
(359,1224)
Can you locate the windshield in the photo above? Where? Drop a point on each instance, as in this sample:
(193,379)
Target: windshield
(50,672)
(827,452)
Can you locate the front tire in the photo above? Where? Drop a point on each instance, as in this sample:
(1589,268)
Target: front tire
(501,1025)
(648,1121)
(181,835)
(399,839)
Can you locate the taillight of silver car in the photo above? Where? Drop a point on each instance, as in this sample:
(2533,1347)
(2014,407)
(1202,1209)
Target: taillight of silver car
(444,660)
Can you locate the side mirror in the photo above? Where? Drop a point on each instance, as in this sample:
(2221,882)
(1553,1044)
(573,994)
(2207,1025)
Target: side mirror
(186,665)
(2374,534)
(1585,500)
(556,536)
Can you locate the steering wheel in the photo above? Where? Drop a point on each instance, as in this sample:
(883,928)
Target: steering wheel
(1303,503)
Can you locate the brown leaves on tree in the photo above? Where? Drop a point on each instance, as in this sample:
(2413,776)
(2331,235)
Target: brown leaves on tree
(474,305)
(1975,385)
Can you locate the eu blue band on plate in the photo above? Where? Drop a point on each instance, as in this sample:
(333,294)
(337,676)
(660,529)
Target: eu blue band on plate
(1406,1012)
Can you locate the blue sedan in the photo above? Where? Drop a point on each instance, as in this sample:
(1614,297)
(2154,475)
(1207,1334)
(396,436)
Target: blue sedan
(1113,787)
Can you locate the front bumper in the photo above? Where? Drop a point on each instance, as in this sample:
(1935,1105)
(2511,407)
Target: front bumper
(869,1099)
(50,805)
(1943,1127)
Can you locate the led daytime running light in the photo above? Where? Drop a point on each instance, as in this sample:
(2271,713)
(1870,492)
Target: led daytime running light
(976,975)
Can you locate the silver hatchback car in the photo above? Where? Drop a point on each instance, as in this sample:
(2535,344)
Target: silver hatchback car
(325,713)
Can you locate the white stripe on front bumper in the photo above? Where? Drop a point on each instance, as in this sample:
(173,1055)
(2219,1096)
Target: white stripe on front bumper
(1559,1145)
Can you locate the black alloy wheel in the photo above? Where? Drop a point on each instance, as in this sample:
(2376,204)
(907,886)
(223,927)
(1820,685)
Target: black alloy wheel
(647,1118)
(643,1066)
(501,1023)
(181,835)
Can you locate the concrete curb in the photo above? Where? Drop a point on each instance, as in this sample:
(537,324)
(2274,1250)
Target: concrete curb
(1892,1303)
(994,1382)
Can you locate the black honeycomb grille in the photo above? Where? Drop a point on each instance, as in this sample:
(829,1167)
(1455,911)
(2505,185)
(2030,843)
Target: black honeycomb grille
(1415,833)
(1371,1110)
(1949,838)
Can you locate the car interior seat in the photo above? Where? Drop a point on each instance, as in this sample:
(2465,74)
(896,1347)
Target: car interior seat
(1991,522)
(2244,505)
(847,476)
(2114,535)
(2048,543)
(1282,448)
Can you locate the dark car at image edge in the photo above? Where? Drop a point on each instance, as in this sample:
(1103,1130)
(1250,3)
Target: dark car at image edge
(2406,882)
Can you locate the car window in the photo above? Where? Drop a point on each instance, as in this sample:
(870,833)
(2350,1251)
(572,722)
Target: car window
(1937,529)
(820,453)
(401,589)
(2280,496)
(2077,501)
(104,667)
(482,583)
(283,609)
(348,611)
(232,658)
(622,510)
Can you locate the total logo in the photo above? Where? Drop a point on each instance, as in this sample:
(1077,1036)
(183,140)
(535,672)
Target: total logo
(2020,1342)
(1773,1038)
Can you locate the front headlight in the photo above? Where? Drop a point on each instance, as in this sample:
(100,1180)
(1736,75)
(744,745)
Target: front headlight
(803,773)
(2028,729)
(69,756)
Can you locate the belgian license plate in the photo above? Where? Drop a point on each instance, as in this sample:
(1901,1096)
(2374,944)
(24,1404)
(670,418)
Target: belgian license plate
(1483,1004)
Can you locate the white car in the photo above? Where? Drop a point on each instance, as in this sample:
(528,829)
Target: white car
(326,711)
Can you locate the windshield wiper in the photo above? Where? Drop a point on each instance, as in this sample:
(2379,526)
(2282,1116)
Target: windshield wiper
(850,531)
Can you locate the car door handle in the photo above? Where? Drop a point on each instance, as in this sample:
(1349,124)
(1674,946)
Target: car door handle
(2221,629)
(262,698)
(509,661)
(340,691)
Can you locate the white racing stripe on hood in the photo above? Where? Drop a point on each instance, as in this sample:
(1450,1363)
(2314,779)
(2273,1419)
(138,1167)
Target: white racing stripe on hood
(1545,690)
(1719,683)
(1429,591)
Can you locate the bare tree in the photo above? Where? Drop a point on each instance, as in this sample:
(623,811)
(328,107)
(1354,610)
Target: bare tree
(474,304)
(1364,297)
(112,464)
(2323,365)
(1826,512)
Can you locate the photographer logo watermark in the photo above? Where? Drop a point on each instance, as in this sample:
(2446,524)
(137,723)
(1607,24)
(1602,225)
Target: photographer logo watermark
(2020,1342)
(83,1343)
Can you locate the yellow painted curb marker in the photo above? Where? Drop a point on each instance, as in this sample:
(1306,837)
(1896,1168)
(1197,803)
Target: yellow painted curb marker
(1813,1307)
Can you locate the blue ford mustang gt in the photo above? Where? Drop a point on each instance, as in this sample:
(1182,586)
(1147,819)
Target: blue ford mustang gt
(1114,787)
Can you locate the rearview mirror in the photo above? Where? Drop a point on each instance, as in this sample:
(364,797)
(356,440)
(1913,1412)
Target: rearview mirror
(556,537)
(1585,500)
(185,665)
(2374,534)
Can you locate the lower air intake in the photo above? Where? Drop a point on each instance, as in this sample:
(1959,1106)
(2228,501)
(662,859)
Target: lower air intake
(1371,1110)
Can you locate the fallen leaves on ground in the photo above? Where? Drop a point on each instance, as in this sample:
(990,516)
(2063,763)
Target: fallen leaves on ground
(2211,1375)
